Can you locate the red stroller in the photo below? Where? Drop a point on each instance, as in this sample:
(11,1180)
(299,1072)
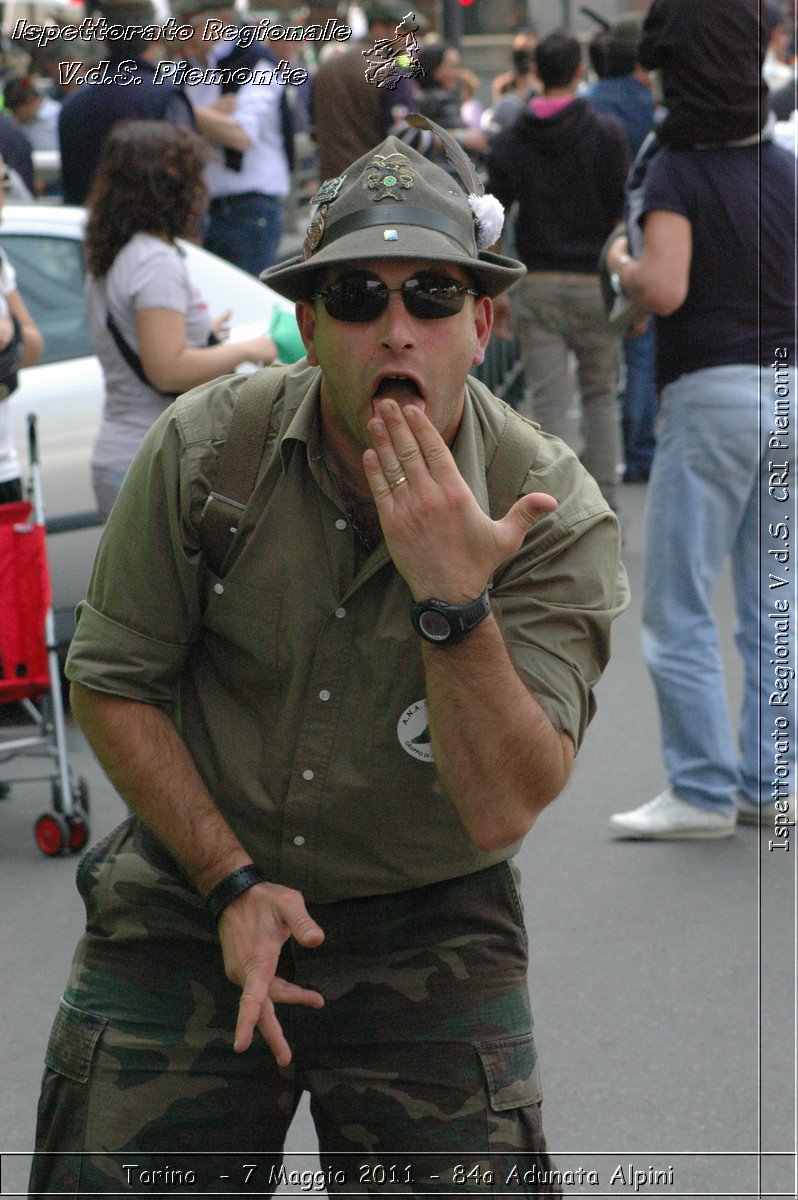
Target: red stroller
(29,669)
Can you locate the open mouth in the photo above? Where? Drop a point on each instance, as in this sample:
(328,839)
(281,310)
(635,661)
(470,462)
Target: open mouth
(400,388)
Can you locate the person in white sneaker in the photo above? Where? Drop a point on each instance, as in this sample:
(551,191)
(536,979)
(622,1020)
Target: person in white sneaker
(666,816)
(718,226)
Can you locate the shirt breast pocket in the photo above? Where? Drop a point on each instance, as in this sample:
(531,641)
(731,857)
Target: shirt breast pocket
(241,637)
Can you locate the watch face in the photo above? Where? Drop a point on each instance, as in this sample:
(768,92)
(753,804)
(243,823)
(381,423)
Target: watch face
(434,625)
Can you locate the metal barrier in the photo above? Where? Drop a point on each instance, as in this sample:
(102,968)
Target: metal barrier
(502,370)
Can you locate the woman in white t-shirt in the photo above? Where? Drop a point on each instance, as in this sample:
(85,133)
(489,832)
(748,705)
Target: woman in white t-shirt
(21,345)
(151,327)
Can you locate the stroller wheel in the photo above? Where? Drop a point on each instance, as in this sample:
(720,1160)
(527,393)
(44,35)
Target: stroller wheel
(51,834)
(78,831)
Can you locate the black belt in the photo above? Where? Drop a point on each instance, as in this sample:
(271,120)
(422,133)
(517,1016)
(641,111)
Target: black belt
(219,200)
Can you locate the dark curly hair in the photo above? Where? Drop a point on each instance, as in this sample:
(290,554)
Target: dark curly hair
(149,181)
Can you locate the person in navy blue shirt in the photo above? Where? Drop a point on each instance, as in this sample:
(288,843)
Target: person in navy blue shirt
(90,112)
(716,268)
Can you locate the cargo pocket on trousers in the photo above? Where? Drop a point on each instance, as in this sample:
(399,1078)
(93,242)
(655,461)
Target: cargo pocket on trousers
(515,1128)
(73,1040)
(63,1103)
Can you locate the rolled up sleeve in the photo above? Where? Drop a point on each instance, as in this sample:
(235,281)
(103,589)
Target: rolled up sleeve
(143,609)
(558,596)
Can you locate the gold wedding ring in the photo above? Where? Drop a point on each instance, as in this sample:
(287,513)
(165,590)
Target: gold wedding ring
(397,482)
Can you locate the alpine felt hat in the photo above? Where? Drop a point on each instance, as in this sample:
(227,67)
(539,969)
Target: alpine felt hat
(395,203)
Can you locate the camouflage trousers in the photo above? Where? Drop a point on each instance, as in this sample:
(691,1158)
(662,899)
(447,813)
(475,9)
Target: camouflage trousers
(421,1068)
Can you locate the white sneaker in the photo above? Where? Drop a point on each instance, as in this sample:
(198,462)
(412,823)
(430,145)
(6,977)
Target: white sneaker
(765,814)
(666,816)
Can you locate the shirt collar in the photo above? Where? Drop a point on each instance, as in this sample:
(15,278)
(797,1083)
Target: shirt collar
(469,453)
(301,420)
(302,417)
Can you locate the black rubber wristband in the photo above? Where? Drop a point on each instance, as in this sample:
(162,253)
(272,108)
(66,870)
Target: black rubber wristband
(233,886)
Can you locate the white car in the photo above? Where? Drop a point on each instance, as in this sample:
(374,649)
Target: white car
(65,389)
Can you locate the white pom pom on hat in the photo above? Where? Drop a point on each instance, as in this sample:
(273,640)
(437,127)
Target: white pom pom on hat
(489,214)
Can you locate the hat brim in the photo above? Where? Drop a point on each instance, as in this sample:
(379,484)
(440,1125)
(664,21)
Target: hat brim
(295,277)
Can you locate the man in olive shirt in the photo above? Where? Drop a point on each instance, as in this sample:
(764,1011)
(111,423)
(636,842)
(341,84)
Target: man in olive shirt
(332,741)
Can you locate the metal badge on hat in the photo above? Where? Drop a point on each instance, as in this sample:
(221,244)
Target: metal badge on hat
(324,198)
(387,174)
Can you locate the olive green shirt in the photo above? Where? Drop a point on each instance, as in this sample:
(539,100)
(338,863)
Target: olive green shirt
(298,685)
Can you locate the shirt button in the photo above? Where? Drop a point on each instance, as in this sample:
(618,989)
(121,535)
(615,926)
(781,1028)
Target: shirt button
(299,840)
(324,694)
(308,774)
(340,523)
(340,613)
(218,588)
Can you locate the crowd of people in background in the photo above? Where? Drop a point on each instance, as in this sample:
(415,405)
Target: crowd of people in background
(250,133)
(35,82)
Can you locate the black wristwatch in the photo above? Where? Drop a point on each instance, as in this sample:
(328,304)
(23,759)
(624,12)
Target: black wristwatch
(444,624)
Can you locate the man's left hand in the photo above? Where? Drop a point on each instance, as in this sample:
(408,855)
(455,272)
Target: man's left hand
(441,541)
(618,250)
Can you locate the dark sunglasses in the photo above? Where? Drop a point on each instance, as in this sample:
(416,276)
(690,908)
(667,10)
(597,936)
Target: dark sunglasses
(364,297)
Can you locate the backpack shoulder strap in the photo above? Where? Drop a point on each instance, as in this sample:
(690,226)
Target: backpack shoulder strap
(238,463)
(511,463)
(240,457)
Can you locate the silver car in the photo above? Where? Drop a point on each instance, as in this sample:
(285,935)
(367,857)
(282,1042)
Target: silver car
(65,389)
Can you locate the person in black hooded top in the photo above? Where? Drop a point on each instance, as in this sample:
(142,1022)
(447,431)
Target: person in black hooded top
(706,102)
(565,165)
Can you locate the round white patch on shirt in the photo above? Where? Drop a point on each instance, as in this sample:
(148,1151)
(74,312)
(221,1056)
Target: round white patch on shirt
(413,732)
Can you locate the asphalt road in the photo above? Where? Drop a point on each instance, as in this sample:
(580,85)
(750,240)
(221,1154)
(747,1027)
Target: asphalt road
(663,975)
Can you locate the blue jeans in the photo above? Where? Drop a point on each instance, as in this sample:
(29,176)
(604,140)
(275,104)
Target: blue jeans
(246,230)
(639,402)
(708,500)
